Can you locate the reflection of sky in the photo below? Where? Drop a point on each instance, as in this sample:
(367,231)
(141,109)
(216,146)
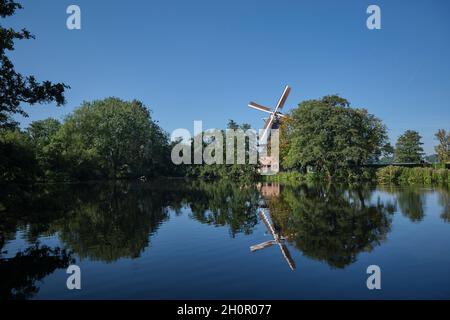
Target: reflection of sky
(20,243)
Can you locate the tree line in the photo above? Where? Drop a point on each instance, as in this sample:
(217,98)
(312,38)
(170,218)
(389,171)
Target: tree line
(335,140)
(113,138)
(103,139)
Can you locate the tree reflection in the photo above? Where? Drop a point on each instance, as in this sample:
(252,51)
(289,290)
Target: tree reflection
(331,224)
(411,202)
(116,222)
(223,204)
(19,274)
(109,221)
(444,201)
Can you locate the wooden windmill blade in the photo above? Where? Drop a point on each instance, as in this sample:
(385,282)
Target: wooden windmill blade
(268,224)
(267,127)
(283,98)
(287,256)
(259,107)
(262,245)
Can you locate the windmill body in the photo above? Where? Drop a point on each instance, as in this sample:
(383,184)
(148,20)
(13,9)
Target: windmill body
(273,121)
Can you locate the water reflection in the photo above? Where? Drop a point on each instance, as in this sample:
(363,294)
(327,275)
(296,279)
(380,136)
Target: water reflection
(278,239)
(109,221)
(331,224)
(224,204)
(444,201)
(19,274)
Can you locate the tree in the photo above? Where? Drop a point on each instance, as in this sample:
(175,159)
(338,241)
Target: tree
(112,138)
(17,158)
(233,172)
(443,149)
(331,137)
(409,147)
(42,133)
(14,87)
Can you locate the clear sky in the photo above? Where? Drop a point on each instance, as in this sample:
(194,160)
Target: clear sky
(205,60)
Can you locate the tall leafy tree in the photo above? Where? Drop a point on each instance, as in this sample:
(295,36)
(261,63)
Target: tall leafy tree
(17,158)
(331,137)
(113,138)
(42,134)
(409,147)
(233,172)
(15,88)
(443,148)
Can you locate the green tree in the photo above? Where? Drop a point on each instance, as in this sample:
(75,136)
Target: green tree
(443,149)
(42,134)
(112,138)
(409,147)
(16,89)
(233,172)
(17,158)
(331,137)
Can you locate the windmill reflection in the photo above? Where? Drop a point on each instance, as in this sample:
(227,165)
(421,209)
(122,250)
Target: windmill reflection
(267,192)
(277,239)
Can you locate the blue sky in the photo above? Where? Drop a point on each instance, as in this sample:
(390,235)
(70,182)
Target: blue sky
(205,60)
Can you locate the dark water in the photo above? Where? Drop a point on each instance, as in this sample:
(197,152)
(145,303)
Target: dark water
(187,240)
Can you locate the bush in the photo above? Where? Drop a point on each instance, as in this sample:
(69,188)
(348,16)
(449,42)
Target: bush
(401,175)
(389,174)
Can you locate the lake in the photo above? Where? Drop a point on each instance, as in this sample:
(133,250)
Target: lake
(176,239)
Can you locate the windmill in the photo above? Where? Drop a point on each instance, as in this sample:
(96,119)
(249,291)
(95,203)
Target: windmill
(273,121)
(277,239)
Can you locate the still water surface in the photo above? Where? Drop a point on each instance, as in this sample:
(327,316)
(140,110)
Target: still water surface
(189,240)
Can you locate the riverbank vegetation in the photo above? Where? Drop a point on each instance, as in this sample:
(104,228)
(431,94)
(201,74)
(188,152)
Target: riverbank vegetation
(401,175)
(385,175)
(103,139)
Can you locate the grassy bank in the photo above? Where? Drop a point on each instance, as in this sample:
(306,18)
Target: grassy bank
(400,175)
(386,175)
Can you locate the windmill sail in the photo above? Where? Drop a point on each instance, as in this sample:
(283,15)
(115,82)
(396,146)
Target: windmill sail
(267,127)
(283,98)
(259,107)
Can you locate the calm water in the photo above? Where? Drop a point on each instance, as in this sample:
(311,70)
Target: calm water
(181,240)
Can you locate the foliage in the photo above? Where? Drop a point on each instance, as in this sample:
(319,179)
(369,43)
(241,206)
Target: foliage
(112,138)
(443,149)
(418,175)
(108,138)
(409,147)
(17,159)
(15,88)
(291,177)
(332,138)
(42,134)
(232,172)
